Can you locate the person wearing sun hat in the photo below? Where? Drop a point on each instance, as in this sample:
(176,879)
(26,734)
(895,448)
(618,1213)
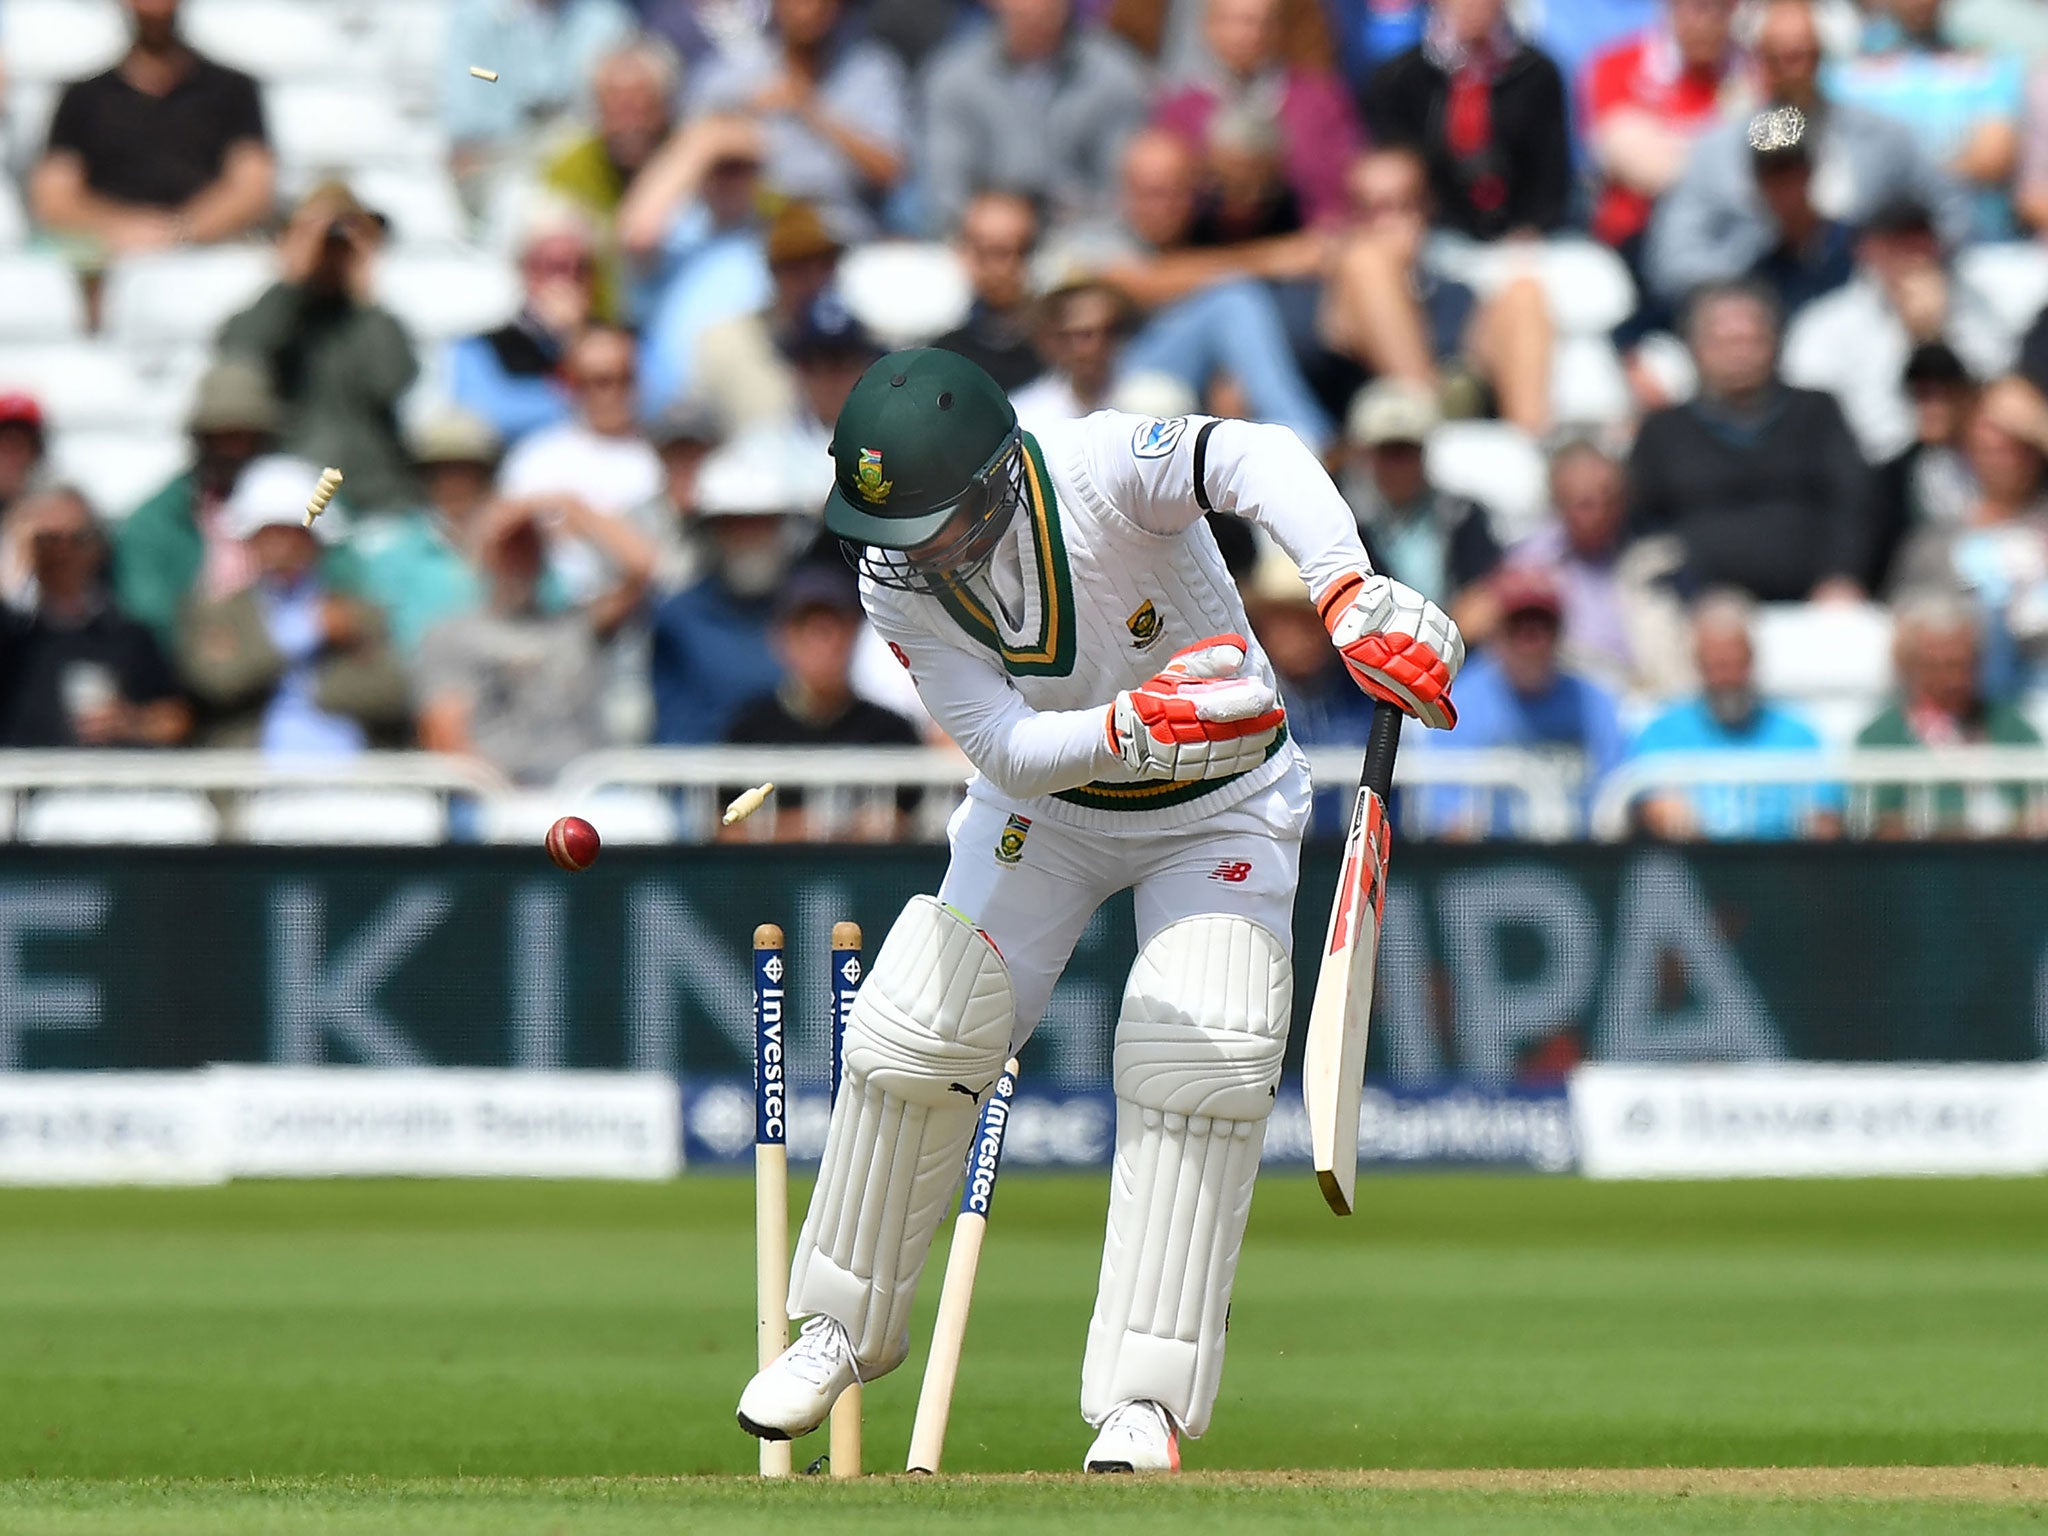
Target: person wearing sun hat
(287,665)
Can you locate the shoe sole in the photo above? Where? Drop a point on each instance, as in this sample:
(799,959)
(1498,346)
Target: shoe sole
(762,1431)
(1111,1466)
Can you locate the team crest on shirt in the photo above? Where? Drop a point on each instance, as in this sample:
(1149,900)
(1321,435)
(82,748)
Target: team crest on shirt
(1010,841)
(874,490)
(1155,439)
(1144,625)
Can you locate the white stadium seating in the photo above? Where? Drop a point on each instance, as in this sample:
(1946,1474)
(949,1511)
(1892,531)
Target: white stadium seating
(420,201)
(905,291)
(2013,277)
(39,299)
(1587,385)
(1820,650)
(279,42)
(59,40)
(81,384)
(1587,286)
(13,216)
(359,817)
(327,128)
(627,815)
(441,294)
(103,816)
(178,298)
(118,468)
(1498,466)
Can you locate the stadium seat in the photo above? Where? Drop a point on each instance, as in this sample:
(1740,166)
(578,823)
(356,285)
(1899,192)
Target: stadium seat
(623,816)
(1496,465)
(85,384)
(1835,718)
(59,40)
(2012,276)
(29,107)
(1821,650)
(1587,385)
(410,39)
(39,299)
(905,292)
(102,816)
(278,42)
(117,468)
(328,129)
(1666,360)
(179,298)
(13,216)
(1587,286)
(359,817)
(442,294)
(420,202)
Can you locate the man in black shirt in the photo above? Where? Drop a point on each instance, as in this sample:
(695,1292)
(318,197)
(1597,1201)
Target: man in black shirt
(817,622)
(1761,484)
(74,670)
(1489,115)
(166,148)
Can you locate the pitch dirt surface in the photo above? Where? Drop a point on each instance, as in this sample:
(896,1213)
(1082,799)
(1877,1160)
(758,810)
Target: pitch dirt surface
(1467,1354)
(1606,1502)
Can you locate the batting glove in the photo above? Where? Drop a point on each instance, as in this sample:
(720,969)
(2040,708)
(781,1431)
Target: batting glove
(1399,646)
(1199,718)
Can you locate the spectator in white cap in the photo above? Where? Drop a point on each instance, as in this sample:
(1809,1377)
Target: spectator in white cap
(1441,545)
(757,506)
(286,665)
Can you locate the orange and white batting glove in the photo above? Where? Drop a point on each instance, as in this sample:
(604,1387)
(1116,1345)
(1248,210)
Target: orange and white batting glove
(1199,718)
(1398,645)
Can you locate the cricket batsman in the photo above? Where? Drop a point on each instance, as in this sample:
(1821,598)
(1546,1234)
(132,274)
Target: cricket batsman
(1067,618)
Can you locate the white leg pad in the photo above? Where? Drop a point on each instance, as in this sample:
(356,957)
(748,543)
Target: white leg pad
(925,1041)
(1198,1049)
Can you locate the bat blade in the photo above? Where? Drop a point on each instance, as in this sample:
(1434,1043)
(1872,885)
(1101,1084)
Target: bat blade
(1333,1058)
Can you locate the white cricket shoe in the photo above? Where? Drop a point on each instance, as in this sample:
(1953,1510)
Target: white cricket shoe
(1138,1436)
(794,1394)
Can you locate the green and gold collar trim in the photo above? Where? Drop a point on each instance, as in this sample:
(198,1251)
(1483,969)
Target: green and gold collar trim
(1052,653)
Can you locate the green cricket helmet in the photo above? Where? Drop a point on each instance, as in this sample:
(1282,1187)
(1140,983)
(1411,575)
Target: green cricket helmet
(926,440)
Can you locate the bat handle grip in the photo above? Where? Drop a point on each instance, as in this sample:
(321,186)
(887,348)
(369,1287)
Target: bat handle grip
(1381,743)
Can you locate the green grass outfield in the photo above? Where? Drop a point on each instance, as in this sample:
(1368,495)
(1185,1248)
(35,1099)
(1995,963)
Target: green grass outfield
(506,1357)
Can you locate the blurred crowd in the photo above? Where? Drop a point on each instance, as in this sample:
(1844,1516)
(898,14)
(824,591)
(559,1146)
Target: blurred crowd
(1377,222)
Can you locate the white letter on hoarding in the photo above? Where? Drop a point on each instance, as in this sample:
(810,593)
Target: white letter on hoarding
(1402,1020)
(44,1002)
(1662,912)
(311,997)
(1494,1014)
(667,943)
(538,1018)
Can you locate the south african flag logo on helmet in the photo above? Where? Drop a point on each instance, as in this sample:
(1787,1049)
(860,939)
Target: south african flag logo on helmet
(874,490)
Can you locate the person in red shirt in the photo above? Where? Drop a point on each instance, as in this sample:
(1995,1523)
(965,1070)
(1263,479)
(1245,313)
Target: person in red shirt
(1646,100)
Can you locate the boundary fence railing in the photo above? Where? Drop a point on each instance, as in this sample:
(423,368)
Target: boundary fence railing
(906,794)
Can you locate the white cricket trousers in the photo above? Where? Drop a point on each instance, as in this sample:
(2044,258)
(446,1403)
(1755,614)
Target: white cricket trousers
(1245,861)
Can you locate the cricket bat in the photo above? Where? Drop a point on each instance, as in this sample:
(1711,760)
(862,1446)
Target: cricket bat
(1333,1060)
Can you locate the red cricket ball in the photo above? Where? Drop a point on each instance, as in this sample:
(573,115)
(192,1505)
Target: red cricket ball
(573,844)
